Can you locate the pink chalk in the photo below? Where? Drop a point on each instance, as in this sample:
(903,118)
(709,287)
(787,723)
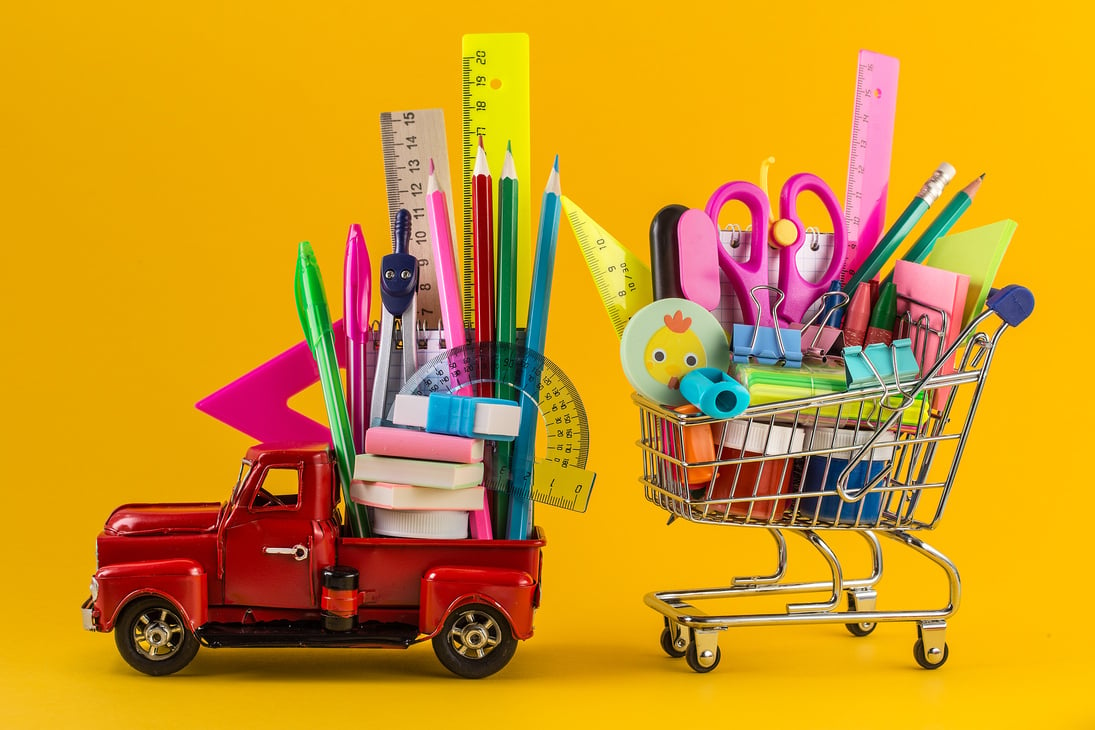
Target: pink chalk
(410,444)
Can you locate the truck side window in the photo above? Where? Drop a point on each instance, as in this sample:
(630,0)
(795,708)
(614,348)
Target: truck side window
(280,489)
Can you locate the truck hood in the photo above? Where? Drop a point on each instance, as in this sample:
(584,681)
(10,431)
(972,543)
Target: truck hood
(163,519)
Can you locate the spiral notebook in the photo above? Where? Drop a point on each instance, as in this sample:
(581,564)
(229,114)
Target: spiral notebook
(813,258)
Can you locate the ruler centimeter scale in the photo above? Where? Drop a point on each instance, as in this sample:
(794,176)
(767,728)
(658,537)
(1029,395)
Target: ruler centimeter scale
(410,139)
(622,279)
(560,479)
(869,157)
(495,105)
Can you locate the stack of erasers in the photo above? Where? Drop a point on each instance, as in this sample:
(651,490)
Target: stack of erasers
(423,475)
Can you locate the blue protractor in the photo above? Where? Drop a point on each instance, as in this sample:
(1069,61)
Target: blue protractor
(560,478)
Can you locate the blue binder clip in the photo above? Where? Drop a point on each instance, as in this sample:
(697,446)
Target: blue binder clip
(879,364)
(766,345)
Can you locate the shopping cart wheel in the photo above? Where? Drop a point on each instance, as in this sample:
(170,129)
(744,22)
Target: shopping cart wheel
(693,658)
(669,645)
(922,658)
(861,629)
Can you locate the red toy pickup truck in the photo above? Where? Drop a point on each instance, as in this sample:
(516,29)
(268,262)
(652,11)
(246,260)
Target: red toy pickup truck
(269,568)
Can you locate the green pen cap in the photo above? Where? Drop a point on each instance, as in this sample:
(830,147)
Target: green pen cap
(885,308)
(311,300)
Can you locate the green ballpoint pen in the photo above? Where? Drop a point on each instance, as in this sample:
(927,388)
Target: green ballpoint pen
(941,225)
(885,248)
(315,320)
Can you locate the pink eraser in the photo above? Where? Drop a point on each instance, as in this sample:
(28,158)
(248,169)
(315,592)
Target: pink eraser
(410,444)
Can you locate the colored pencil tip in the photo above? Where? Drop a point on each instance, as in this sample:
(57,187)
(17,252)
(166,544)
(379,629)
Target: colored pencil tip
(556,163)
(508,147)
(982,176)
(431,165)
(480,140)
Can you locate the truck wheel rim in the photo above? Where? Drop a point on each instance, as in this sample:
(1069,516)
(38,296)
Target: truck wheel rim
(475,634)
(158,633)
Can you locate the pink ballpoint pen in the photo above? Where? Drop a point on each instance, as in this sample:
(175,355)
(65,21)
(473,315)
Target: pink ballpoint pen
(357,293)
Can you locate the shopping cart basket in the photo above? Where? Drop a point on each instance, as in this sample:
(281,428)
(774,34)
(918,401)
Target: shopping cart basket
(878,461)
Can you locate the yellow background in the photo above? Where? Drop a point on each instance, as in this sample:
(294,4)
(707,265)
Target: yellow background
(161,162)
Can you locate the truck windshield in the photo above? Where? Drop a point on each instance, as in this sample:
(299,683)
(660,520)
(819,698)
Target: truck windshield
(245,469)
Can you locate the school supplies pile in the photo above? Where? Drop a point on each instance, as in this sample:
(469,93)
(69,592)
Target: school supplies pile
(810,386)
(435,430)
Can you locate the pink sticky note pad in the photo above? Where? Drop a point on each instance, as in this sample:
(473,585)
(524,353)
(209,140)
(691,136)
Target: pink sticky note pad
(923,292)
(257,403)
(698,255)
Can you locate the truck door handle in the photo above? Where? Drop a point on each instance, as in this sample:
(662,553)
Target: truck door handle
(298,551)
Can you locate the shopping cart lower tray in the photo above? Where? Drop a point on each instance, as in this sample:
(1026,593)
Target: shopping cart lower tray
(878,461)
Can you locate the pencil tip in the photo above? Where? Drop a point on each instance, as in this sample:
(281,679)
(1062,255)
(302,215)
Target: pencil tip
(431,165)
(556,163)
(982,176)
(508,147)
(480,140)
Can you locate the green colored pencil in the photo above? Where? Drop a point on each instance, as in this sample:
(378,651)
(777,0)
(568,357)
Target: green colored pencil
(506,318)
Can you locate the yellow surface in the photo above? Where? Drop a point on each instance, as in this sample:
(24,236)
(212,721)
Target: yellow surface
(160,164)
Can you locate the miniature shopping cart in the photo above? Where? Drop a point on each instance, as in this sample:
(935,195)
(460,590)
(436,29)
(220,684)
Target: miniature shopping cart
(878,461)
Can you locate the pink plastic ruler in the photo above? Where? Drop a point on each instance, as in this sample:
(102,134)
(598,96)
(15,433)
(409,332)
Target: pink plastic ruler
(869,157)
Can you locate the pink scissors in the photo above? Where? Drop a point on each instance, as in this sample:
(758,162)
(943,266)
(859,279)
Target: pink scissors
(788,235)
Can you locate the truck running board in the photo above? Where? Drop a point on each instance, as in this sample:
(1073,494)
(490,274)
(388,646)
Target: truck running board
(372,634)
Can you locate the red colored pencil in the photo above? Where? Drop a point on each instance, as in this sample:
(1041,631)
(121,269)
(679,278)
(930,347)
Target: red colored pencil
(483,246)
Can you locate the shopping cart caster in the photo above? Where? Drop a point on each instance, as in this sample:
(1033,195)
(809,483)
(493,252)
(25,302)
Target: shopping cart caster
(703,654)
(674,643)
(861,600)
(930,649)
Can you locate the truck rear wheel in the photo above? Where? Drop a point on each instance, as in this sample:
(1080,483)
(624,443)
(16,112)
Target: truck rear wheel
(476,641)
(153,638)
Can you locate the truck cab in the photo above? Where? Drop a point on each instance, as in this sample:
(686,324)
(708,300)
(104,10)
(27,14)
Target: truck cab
(270,567)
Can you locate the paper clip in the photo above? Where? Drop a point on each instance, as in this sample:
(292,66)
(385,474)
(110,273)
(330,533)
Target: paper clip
(767,345)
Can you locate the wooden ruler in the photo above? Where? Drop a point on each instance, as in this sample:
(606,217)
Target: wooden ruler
(495,103)
(410,140)
(622,279)
(869,157)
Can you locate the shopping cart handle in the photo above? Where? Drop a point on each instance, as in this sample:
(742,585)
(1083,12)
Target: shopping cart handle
(1012,304)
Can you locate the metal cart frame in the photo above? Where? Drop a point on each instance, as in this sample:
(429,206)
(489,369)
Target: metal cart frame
(893,478)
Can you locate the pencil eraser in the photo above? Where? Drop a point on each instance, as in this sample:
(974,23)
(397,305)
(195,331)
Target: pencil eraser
(411,444)
(458,415)
(410,410)
(417,472)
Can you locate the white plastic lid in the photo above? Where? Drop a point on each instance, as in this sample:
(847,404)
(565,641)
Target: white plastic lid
(435,524)
(846,438)
(761,438)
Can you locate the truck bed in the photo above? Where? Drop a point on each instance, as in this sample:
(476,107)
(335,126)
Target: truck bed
(386,565)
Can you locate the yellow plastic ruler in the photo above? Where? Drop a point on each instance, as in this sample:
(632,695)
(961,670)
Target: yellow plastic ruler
(622,279)
(410,139)
(495,103)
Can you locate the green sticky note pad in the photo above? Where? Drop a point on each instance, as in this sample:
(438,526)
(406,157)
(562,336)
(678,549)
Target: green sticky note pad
(976,253)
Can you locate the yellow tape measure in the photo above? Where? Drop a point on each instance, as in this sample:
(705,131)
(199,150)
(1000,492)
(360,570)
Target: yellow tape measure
(495,101)
(622,279)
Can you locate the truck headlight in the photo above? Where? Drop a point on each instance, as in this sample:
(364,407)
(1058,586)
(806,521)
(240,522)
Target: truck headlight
(94,589)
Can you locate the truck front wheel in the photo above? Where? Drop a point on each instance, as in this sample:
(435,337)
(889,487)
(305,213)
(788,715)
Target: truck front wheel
(153,638)
(476,641)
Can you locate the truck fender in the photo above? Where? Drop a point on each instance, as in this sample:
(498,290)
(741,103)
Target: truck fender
(445,589)
(179,581)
